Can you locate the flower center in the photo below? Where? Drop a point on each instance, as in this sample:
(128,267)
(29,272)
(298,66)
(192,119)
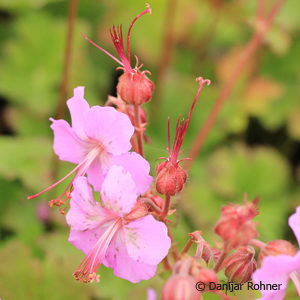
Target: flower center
(86,272)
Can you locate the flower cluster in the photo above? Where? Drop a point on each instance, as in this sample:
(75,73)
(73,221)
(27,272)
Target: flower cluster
(126,227)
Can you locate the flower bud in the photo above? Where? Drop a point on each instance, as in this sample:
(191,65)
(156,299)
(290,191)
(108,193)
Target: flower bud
(170,178)
(135,87)
(240,265)
(180,287)
(207,276)
(235,225)
(276,247)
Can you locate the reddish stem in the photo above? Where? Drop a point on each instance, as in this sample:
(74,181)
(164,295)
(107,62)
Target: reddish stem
(67,60)
(248,51)
(223,255)
(166,208)
(138,131)
(188,245)
(257,243)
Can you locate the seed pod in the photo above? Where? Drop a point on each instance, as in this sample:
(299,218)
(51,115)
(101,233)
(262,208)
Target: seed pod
(135,87)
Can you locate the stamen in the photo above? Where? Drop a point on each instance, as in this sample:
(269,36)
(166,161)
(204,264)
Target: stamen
(53,185)
(86,271)
(147,10)
(103,50)
(80,170)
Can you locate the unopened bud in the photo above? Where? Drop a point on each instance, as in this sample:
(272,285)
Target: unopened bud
(207,276)
(180,287)
(170,178)
(135,87)
(235,225)
(276,247)
(240,265)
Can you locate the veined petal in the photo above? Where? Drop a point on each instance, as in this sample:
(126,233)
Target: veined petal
(85,213)
(294,223)
(67,146)
(276,270)
(123,265)
(112,129)
(78,108)
(138,168)
(118,192)
(147,240)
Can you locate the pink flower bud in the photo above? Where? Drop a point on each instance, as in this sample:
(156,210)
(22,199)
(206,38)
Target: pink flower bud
(207,276)
(170,178)
(276,247)
(240,265)
(135,87)
(235,225)
(180,287)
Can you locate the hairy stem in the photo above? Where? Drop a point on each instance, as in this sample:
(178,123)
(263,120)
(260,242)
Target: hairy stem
(138,130)
(222,257)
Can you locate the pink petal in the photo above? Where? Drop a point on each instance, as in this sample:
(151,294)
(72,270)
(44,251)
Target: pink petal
(66,144)
(276,270)
(85,213)
(294,223)
(118,192)
(97,171)
(138,167)
(123,265)
(147,240)
(78,107)
(86,240)
(110,128)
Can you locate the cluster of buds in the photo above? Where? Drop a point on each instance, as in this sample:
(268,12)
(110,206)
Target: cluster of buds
(235,225)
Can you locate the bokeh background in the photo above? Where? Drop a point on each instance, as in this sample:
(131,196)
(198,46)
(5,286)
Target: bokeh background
(254,146)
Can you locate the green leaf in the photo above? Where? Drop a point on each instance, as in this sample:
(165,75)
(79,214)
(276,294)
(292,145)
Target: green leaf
(28,159)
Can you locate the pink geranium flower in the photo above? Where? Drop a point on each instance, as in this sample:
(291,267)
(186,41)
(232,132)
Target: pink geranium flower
(279,269)
(99,138)
(113,232)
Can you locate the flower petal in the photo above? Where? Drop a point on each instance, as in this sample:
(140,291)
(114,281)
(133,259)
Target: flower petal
(147,240)
(118,192)
(138,167)
(112,129)
(78,107)
(66,144)
(123,265)
(294,223)
(276,270)
(85,213)
(97,171)
(85,240)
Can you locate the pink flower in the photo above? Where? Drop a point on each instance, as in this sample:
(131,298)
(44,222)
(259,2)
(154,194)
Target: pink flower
(279,269)
(99,138)
(110,233)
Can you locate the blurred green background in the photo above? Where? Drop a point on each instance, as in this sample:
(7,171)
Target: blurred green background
(254,146)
